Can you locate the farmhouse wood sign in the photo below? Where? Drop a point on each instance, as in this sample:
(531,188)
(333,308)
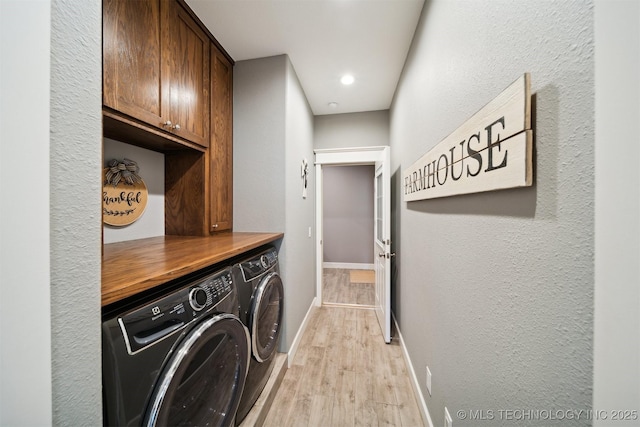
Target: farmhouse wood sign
(490,151)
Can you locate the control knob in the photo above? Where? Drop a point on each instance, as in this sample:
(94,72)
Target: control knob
(198,298)
(264,261)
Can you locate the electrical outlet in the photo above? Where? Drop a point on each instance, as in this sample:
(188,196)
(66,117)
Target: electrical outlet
(429,381)
(448,422)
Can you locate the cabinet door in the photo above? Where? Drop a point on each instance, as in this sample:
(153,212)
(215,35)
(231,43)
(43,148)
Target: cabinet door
(131,59)
(221,150)
(185,74)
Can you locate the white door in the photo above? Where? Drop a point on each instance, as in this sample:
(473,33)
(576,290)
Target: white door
(382,243)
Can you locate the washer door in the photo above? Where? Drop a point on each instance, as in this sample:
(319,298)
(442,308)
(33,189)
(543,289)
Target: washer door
(266,316)
(203,380)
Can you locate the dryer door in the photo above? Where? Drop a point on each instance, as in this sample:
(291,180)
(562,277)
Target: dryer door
(202,382)
(266,316)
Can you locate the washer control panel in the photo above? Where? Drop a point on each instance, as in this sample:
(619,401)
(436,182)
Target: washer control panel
(154,321)
(210,291)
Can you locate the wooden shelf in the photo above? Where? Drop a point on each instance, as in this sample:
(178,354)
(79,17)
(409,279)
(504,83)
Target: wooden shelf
(129,268)
(120,127)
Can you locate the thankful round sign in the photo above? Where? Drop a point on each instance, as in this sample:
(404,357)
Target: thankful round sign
(124,199)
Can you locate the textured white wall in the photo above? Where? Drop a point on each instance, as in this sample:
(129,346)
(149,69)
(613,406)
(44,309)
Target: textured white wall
(151,164)
(53,364)
(76,217)
(617,215)
(348,214)
(494,291)
(25,311)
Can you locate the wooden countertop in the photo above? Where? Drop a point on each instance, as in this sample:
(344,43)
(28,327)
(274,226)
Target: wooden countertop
(136,266)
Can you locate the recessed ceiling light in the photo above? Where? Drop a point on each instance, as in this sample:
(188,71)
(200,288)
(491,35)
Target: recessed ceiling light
(347,79)
(333,104)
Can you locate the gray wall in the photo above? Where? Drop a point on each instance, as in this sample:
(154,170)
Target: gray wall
(494,291)
(348,214)
(617,215)
(259,89)
(51,366)
(299,261)
(273,132)
(368,129)
(25,351)
(151,164)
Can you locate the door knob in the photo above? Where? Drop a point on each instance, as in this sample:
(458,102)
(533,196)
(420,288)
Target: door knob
(381,254)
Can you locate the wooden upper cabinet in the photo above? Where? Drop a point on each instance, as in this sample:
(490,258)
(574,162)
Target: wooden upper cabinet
(185,74)
(156,65)
(168,86)
(221,150)
(131,59)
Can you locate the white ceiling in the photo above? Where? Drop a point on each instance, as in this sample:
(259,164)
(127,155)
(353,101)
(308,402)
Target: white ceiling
(324,40)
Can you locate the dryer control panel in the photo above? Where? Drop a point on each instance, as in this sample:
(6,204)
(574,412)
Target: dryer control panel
(256,267)
(157,320)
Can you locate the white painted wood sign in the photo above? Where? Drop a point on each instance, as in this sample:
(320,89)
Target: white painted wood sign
(490,151)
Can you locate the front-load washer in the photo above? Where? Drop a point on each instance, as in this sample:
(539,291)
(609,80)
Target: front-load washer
(176,358)
(261,297)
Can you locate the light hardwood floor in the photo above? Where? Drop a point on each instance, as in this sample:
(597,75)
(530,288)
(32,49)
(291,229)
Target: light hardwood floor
(339,289)
(345,375)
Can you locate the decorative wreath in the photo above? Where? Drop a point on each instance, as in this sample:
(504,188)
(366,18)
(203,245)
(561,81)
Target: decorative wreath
(124,169)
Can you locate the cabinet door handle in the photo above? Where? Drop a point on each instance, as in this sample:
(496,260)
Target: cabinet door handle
(170,125)
(214,226)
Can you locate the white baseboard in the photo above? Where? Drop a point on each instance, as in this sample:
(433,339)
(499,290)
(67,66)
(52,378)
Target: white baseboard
(296,341)
(348,266)
(424,411)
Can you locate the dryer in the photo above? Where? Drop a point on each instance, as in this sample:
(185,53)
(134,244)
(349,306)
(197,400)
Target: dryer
(261,298)
(179,357)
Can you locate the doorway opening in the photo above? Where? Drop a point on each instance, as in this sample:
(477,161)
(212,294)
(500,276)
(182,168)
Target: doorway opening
(348,220)
(381,248)
(379,157)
